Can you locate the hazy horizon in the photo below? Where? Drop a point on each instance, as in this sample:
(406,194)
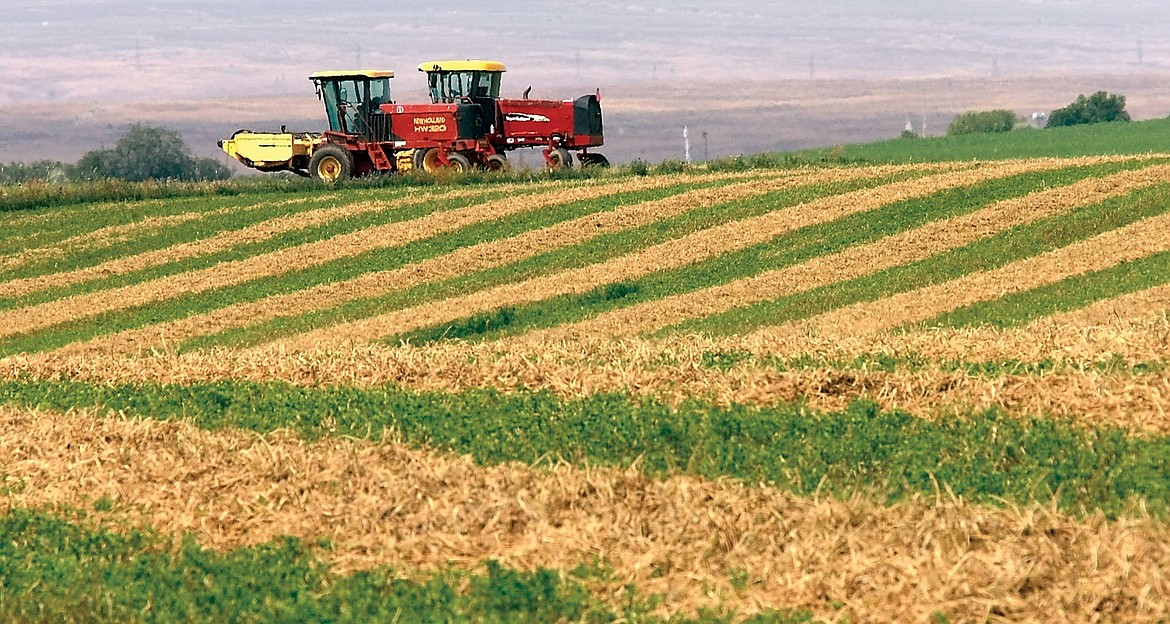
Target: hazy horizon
(139,50)
(751,76)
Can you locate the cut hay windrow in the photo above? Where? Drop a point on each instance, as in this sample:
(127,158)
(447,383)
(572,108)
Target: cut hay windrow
(688,249)
(687,539)
(31,318)
(1143,238)
(1060,340)
(225,240)
(116,234)
(100,238)
(902,248)
(462,261)
(1082,388)
(1137,305)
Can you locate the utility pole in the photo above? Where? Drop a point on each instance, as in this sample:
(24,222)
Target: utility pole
(923,132)
(686,144)
(705,155)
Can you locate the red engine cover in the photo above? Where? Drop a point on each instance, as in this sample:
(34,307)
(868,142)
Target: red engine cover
(423,124)
(534,121)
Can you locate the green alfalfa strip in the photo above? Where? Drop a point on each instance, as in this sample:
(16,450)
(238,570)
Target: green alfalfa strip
(337,270)
(1072,293)
(581,254)
(1012,245)
(987,456)
(63,566)
(785,250)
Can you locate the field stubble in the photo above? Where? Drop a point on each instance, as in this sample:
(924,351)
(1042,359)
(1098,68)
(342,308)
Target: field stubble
(1081,383)
(39,316)
(902,248)
(1138,240)
(111,235)
(682,537)
(227,239)
(688,249)
(464,260)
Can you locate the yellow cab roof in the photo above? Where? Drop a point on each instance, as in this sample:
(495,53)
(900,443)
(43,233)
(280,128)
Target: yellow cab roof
(468,65)
(353,73)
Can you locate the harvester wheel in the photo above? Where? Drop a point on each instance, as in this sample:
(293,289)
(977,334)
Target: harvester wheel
(560,158)
(498,162)
(331,163)
(594,160)
(422,156)
(428,161)
(459,162)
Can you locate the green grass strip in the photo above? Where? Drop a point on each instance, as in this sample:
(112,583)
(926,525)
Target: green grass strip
(57,570)
(1072,293)
(44,227)
(787,249)
(242,252)
(1136,138)
(914,362)
(48,227)
(577,255)
(186,232)
(1015,244)
(333,271)
(985,456)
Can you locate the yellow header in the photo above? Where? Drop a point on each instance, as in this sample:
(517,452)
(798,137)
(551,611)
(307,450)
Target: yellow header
(468,65)
(353,73)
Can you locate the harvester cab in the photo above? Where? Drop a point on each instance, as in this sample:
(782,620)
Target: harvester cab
(556,125)
(474,82)
(451,81)
(353,100)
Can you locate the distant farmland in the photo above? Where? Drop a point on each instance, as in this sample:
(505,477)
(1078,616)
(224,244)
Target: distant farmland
(879,392)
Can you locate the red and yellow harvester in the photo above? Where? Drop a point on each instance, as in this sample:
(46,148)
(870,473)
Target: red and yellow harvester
(466,125)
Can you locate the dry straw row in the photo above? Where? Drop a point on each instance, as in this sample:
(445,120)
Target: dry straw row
(1138,240)
(688,249)
(682,537)
(1075,388)
(303,256)
(464,260)
(890,251)
(221,241)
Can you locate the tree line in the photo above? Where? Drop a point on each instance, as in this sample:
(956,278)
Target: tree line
(1101,107)
(143,153)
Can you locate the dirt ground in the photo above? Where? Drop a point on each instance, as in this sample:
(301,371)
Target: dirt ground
(643,120)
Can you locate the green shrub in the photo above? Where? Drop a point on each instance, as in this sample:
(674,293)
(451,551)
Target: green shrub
(971,122)
(1097,108)
(146,153)
(671,166)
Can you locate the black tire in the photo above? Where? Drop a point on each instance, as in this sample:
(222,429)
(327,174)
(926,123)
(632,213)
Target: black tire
(560,158)
(459,163)
(498,162)
(331,163)
(594,160)
(428,160)
(420,158)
